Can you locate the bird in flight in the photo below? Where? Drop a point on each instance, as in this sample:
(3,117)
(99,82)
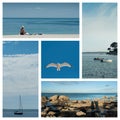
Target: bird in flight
(58,65)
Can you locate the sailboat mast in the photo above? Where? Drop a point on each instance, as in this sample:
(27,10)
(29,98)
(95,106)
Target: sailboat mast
(20,103)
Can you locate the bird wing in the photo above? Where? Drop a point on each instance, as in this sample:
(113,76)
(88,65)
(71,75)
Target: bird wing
(51,65)
(65,64)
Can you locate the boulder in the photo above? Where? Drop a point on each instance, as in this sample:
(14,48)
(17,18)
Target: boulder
(74,101)
(51,114)
(43,114)
(79,105)
(80,114)
(67,113)
(75,105)
(63,98)
(59,107)
(53,98)
(46,109)
(107,107)
(44,99)
(56,102)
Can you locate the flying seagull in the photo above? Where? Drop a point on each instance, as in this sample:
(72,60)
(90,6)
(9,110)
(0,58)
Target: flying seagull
(58,65)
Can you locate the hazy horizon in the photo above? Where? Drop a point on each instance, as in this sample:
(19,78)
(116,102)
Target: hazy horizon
(79,86)
(42,10)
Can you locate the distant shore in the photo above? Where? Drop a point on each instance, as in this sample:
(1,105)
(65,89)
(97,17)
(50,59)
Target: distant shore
(62,106)
(43,36)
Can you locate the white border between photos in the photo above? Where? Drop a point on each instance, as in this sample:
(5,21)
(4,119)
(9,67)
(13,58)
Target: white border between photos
(39,58)
(1,62)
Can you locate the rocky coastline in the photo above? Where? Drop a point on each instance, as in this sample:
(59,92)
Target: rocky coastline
(62,106)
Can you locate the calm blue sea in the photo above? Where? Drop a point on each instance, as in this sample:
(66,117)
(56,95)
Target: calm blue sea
(26,113)
(96,69)
(81,96)
(11,26)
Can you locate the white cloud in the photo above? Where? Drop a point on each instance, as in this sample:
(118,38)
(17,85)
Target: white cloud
(100,31)
(20,74)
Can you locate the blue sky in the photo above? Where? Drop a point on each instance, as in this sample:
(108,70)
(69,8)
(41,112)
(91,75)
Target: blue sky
(20,74)
(41,10)
(99,26)
(59,52)
(79,87)
(20,47)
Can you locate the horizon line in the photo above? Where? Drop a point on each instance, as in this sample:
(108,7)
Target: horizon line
(40,17)
(80,93)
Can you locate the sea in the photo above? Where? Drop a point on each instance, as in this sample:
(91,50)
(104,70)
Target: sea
(26,113)
(11,26)
(96,69)
(82,96)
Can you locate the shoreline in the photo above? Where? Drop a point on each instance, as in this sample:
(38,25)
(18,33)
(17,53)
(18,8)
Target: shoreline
(43,36)
(62,106)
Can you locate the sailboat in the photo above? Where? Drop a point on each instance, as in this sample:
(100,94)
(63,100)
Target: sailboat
(20,110)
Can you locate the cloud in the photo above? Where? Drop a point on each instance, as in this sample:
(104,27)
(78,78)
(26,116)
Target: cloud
(100,30)
(107,9)
(20,74)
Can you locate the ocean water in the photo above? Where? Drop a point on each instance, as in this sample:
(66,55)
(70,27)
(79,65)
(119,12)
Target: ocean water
(82,96)
(26,113)
(96,69)
(11,26)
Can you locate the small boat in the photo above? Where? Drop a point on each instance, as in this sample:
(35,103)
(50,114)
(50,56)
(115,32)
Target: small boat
(98,58)
(20,110)
(18,113)
(109,61)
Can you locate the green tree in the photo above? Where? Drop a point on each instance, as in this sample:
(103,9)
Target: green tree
(113,48)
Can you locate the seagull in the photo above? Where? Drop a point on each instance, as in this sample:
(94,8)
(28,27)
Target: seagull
(58,65)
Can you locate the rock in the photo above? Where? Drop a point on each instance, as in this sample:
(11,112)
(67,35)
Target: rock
(79,105)
(72,109)
(74,101)
(53,98)
(80,114)
(46,109)
(63,98)
(56,102)
(107,107)
(51,114)
(67,110)
(44,99)
(43,114)
(75,105)
(67,113)
(100,104)
(59,108)
(62,106)
(83,101)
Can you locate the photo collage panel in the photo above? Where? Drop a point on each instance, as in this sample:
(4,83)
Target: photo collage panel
(60,59)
